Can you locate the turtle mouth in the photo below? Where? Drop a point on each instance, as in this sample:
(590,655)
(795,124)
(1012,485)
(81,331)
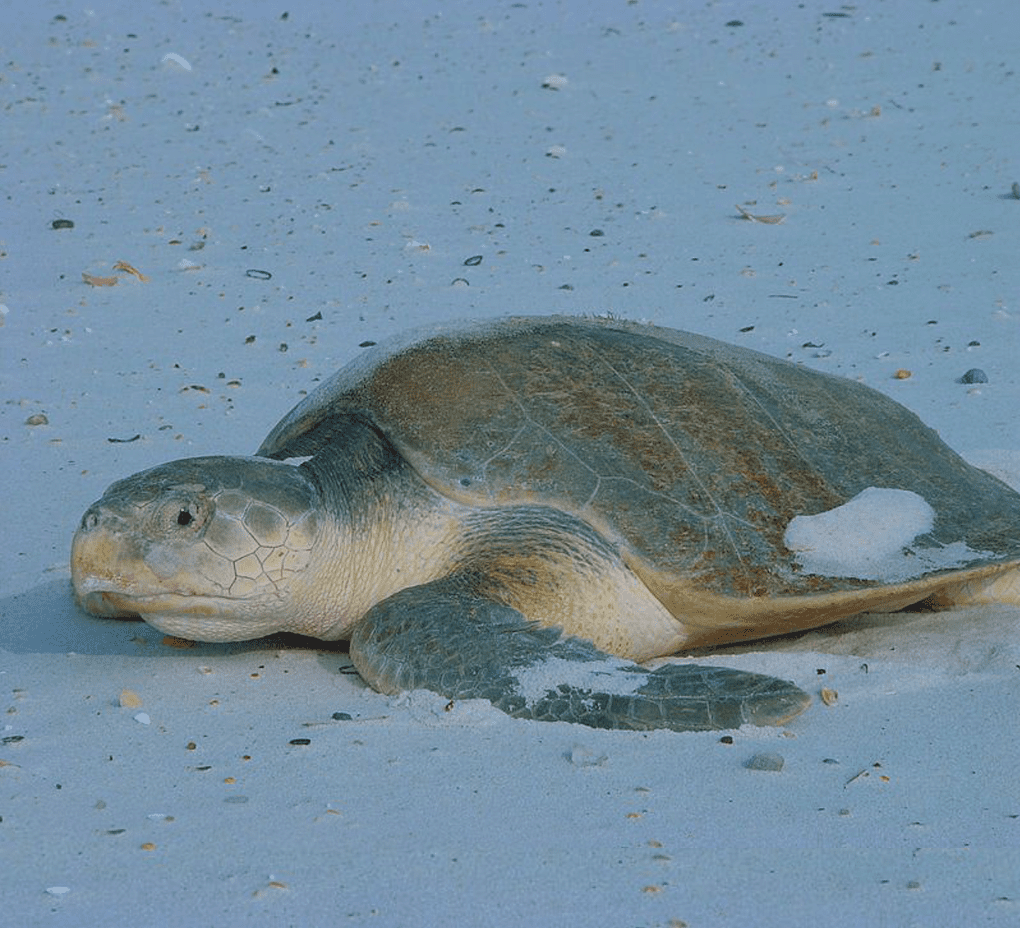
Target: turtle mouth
(199,618)
(117,605)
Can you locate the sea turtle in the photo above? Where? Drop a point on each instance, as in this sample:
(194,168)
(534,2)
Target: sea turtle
(520,509)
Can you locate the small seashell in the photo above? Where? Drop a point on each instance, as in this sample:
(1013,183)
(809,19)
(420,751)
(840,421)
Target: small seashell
(555,82)
(767,220)
(93,281)
(130,700)
(179,60)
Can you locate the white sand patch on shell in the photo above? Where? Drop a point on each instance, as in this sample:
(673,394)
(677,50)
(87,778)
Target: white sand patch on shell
(872,537)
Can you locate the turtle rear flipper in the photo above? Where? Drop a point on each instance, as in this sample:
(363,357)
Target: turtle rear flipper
(451,641)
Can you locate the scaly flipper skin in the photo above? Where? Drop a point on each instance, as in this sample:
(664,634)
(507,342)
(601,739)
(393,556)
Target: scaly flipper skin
(444,638)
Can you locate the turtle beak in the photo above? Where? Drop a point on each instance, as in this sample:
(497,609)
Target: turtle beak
(96,551)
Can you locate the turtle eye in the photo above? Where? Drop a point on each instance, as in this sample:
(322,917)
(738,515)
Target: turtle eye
(188,513)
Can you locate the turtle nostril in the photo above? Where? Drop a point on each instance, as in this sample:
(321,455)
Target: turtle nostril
(90,520)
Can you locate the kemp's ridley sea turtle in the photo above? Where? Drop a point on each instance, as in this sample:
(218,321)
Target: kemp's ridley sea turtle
(520,509)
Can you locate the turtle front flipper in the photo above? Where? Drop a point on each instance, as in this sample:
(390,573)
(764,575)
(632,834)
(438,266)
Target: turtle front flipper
(449,640)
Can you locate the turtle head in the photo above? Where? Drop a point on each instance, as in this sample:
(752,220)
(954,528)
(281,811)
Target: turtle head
(210,548)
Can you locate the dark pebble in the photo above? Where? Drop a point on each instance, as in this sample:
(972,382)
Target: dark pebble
(301,741)
(342,716)
(62,224)
(974,375)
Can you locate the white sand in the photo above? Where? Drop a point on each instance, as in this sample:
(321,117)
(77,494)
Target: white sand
(359,154)
(873,536)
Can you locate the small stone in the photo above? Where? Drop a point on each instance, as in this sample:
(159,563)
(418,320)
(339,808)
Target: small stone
(142,718)
(903,374)
(37,419)
(829,696)
(974,375)
(580,756)
(341,716)
(766,760)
